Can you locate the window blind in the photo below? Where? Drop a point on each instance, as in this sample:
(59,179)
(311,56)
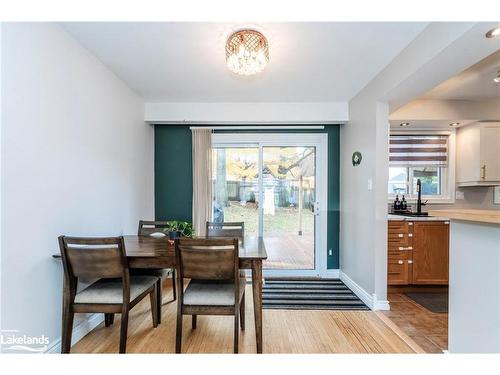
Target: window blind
(418,150)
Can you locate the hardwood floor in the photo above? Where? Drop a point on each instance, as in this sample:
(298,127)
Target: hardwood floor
(429,330)
(285,331)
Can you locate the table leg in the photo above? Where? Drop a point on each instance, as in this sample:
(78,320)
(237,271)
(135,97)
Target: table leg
(257,301)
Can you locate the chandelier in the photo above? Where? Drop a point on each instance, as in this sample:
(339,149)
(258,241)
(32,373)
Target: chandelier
(247,52)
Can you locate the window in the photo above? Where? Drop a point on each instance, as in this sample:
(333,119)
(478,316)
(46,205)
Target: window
(419,157)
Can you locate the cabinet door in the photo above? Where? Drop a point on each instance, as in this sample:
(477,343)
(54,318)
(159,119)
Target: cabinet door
(430,253)
(490,160)
(467,154)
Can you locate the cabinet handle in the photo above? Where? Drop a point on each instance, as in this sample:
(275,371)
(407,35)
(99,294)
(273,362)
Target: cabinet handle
(410,261)
(410,223)
(405,248)
(400,235)
(410,234)
(400,262)
(483,172)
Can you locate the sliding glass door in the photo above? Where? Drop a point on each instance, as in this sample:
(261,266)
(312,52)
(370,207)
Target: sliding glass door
(235,173)
(288,183)
(273,183)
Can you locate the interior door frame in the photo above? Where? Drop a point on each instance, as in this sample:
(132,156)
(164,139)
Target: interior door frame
(320,142)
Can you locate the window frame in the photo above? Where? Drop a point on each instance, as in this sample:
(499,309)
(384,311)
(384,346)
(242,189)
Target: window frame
(447,174)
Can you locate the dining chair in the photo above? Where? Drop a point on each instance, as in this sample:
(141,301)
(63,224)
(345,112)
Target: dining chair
(147,228)
(226,229)
(215,286)
(115,291)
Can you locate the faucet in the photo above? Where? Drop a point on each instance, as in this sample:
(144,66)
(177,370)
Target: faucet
(419,197)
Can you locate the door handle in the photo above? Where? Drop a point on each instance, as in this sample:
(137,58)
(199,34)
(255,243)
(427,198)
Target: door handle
(483,172)
(316,208)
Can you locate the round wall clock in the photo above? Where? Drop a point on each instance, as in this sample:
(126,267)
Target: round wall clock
(356,158)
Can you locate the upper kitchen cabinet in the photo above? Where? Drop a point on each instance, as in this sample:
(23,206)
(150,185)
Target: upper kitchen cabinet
(478,154)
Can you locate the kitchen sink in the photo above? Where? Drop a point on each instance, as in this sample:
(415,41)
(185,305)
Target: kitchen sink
(410,213)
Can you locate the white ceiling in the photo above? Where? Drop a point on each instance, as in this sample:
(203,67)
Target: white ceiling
(427,124)
(475,83)
(185,62)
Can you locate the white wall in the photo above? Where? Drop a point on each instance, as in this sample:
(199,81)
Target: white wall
(77,159)
(231,113)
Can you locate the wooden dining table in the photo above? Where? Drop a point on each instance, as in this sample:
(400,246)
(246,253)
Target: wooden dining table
(154,252)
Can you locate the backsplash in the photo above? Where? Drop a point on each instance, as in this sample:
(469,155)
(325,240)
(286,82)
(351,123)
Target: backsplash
(474,197)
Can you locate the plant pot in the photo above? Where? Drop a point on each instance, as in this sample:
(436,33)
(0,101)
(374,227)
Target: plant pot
(174,234)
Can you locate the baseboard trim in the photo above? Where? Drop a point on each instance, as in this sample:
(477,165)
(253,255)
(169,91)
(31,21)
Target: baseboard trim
(332,274)
(79,332)
(370,300)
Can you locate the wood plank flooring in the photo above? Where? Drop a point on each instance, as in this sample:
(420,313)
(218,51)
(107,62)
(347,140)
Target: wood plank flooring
(284,332)
(429,330)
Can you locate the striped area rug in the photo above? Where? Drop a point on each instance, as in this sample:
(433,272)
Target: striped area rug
(324,294)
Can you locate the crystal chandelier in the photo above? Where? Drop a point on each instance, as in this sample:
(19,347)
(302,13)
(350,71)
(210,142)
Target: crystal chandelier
(247,52)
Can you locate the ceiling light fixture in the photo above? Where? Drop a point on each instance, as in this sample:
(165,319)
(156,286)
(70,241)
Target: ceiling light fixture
(247,52)
(404,124)
(497,78)
(493,32)
(454,124)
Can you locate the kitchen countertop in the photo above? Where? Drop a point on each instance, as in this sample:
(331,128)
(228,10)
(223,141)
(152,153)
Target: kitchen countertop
(481,216)
(391,217)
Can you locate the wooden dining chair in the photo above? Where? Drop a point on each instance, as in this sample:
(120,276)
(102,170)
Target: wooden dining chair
(226,229)
(147,228)
(215,288)
(115,291)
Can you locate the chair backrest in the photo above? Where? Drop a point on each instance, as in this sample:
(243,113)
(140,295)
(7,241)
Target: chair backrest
(93,257)
(207,259)
(148,227)
(227,229)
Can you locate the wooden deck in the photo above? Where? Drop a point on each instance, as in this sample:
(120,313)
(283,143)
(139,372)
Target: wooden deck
(289,251)
(284,332)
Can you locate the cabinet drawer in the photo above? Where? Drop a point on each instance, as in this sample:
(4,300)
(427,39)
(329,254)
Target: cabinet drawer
(399,239)
(397,271)
(398,227)
(395,253)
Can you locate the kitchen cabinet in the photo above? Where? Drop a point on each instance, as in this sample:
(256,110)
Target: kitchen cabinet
(478,163)
(430,253)
(418,252)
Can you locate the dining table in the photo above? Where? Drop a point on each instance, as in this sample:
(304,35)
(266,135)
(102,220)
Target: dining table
(158,252)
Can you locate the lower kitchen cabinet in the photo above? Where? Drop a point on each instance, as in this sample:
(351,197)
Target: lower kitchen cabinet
(430,253)
(418,252)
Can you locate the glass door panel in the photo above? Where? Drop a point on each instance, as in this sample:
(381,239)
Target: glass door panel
(289,200)
(235,179)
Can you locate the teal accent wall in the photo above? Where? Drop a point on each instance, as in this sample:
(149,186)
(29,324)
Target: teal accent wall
(173,173)
(174,182)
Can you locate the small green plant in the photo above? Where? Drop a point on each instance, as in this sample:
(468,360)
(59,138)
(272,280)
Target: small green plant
(184,228)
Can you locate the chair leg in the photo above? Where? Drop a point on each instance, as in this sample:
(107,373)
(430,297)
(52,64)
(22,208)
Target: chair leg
(67,329)
(236,332)
(178,333)
(174,289)
(159,293)
(108,319)
(123,331)
(242,312)
(193,321)
(154,306)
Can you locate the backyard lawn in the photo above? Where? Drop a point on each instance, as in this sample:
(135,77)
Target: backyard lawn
(285,219)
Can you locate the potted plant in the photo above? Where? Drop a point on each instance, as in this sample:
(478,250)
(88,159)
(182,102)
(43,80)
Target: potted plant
(177,229)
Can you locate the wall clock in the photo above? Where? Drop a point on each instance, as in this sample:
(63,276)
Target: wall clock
(356,158)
